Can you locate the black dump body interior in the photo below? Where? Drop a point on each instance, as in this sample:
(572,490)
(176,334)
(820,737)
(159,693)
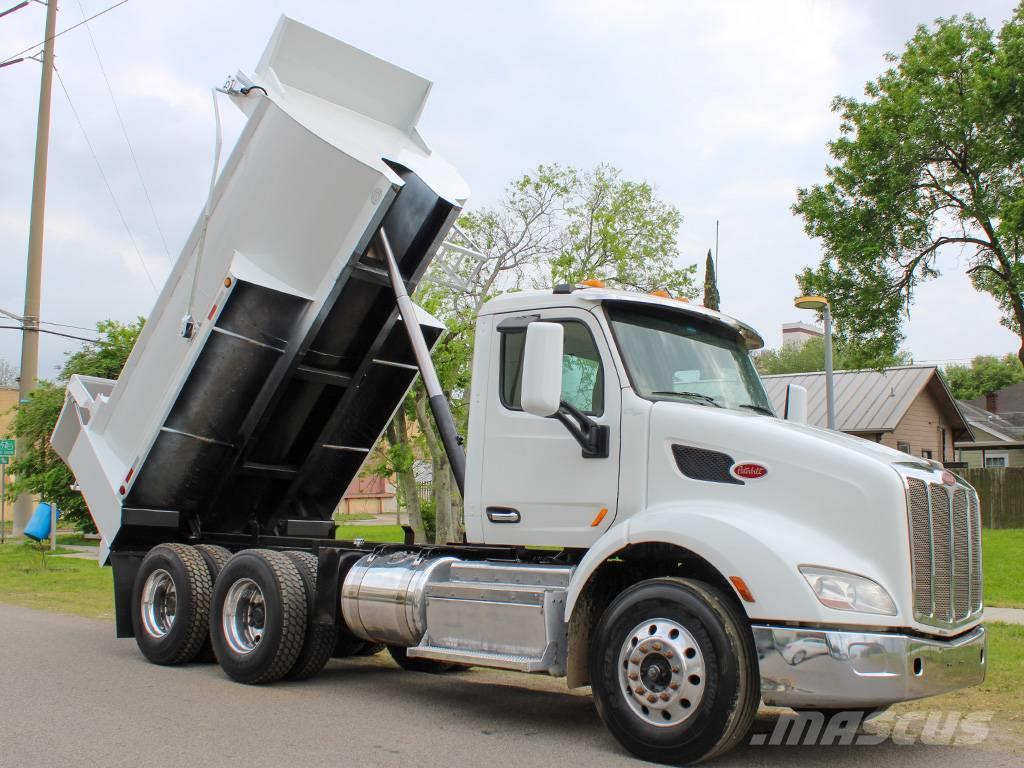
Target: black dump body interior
(272,423)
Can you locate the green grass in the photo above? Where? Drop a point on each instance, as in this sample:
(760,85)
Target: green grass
(62,584)
(353,517)
(76,540)
(382,533)
(1004,681)
(1004,567)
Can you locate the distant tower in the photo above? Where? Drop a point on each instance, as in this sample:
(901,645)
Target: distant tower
(711,297)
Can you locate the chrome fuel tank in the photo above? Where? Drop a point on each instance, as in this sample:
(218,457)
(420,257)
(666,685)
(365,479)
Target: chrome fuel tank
(383,598)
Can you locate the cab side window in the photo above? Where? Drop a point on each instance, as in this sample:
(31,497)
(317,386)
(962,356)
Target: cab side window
(582,372)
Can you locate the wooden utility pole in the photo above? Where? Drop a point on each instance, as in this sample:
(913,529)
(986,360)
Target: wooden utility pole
(34,273)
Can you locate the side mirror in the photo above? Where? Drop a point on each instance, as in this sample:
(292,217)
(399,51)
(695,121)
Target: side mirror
(542,368)
(796,404)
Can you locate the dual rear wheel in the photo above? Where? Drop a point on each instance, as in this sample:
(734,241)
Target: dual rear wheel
(251,612)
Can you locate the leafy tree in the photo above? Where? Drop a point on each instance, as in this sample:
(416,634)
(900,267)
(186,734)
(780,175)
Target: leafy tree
(40,470)
(711,297)
(619,232)
(931,162)
(986,373)
(810,356)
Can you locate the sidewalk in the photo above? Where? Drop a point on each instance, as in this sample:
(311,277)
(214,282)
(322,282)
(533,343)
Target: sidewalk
(1005,615)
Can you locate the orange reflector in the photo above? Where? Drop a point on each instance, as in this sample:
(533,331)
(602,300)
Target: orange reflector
(661,294)
(592,283)
(742,588)
(600,517)
(227,282)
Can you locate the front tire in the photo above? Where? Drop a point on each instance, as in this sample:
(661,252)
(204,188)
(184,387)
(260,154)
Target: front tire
(258,616)
(674,671)
(171,604)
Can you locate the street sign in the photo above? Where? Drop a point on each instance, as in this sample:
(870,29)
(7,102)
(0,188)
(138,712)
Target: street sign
(6,447)
(4,460)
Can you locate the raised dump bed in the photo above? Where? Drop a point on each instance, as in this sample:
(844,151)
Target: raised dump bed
(255,425)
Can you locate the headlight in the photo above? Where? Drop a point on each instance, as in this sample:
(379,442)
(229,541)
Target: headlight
(848,591)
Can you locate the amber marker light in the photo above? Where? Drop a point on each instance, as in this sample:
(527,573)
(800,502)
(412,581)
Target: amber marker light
(600,517)
(593,283)
(742,588)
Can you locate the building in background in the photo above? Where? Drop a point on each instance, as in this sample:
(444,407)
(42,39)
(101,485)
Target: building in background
(798,334)
(8,401)
(998,441)
(907,407)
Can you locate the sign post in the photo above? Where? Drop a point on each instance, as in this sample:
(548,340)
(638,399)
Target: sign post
(6,451)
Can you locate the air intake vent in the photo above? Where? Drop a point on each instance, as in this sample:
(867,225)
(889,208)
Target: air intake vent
(945,539)
(699,464)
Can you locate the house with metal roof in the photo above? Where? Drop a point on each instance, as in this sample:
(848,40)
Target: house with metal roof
(907,407)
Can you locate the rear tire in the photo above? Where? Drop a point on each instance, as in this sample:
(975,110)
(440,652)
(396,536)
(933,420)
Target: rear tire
(215,558)
(674,671)
(258,616)
(171,604)
(430,666)
(320,638)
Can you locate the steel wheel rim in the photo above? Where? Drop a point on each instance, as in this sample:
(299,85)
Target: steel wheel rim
(661,673)
(244,616)
(159,603)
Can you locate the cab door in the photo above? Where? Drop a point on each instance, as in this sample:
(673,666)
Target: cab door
(537,488)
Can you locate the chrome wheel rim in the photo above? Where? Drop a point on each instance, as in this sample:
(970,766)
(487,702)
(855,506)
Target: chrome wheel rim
(244,616)
(661,672)
(159,603)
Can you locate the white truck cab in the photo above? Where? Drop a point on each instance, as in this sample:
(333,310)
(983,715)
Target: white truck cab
(637,517)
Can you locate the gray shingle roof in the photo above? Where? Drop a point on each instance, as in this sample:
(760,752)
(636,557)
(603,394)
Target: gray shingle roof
(866,401)
(989,422)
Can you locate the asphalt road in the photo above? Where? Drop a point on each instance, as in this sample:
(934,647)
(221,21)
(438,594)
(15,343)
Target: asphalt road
(73,695)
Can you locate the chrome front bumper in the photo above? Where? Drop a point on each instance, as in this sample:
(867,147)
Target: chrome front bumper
(833,669)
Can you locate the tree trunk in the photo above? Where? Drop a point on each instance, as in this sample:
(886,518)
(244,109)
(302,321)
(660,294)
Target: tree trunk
(441,481)
(398,434)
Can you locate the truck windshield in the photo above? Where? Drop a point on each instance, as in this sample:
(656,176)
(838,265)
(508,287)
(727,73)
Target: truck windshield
(674,356)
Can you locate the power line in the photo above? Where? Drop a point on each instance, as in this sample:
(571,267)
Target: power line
(52,333)
(64,31)
(106,182)
(124,132)
(68,325)
(12,9)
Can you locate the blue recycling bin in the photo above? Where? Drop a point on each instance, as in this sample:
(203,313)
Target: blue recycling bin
(38,527)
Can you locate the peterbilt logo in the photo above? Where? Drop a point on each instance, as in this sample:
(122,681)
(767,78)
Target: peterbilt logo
(750,471)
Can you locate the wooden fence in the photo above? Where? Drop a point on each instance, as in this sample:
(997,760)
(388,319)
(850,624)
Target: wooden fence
(1001,493)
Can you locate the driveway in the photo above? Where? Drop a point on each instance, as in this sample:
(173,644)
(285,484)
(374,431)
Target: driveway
(73,695)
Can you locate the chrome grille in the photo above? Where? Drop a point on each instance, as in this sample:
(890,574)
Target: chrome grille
(945,546)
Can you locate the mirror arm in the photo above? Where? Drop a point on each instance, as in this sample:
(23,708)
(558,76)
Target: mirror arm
(592,437)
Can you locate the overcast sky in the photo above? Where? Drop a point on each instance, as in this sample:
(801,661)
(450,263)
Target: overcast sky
(723,106)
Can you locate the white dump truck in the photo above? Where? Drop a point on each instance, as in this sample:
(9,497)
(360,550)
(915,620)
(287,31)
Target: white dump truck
(637,517)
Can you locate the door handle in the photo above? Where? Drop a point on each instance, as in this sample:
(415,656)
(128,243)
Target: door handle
(503,515)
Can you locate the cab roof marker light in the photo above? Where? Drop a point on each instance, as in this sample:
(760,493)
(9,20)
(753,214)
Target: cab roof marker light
(593,283)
